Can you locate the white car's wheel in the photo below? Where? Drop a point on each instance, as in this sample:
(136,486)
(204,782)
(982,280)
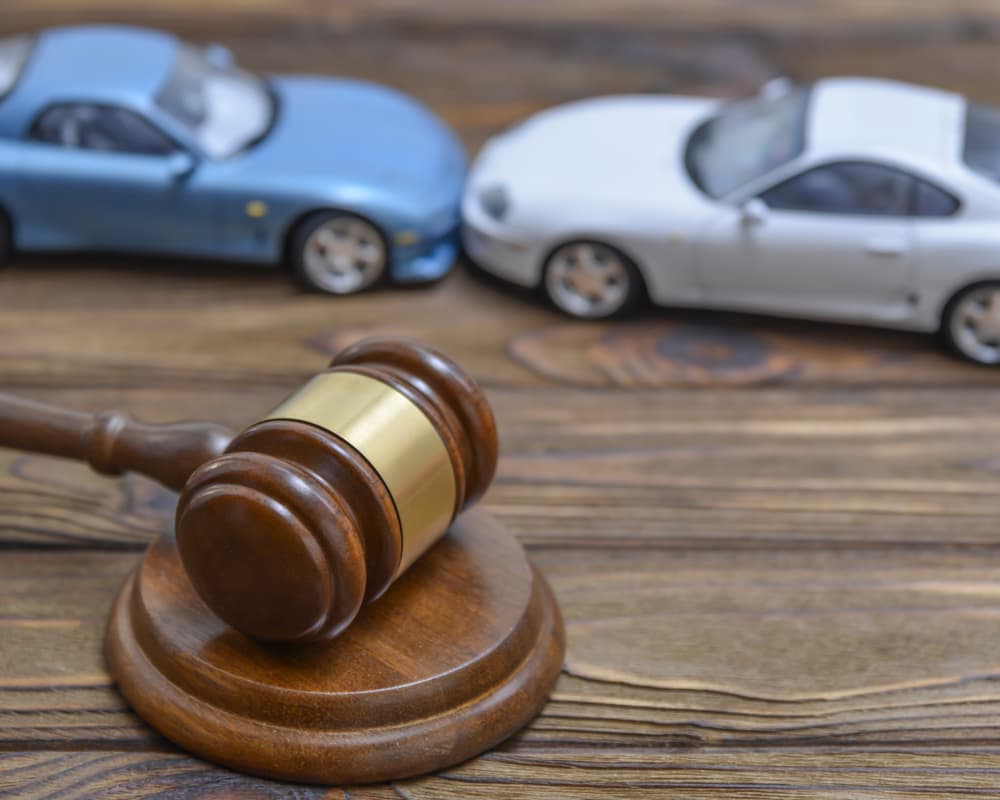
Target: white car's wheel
(591,280)
(338,253)
(971,323)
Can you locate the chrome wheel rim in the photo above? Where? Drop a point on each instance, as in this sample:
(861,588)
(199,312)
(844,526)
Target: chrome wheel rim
(344,254)
(975,325)
(588,280)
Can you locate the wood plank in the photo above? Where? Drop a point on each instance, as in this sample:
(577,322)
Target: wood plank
(633,774)
(715,647)
(686,16)
(765,468)
(115,775)
(686,672)
(264,333)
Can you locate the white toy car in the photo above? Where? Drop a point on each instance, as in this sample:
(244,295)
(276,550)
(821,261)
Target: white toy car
(853,199)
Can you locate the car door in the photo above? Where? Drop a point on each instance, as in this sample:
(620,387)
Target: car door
(97,176)
(835,239)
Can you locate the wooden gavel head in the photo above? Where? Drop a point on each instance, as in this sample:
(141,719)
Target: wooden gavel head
(314,510)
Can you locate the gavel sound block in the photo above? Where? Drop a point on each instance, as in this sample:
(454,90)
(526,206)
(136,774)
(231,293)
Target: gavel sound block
(306,620)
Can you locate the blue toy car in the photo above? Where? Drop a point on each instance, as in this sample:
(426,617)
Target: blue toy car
(124,139)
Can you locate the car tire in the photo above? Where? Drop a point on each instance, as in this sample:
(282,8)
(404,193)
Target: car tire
(6,237)
(970,323)
(591,280)
(338,253)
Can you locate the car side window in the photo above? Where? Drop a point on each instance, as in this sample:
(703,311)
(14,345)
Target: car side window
(104,128)
(930,201)
(848,187)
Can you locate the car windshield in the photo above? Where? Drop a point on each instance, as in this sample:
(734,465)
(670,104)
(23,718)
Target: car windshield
(14,52)
(982,140)
(746,140)
(226,109)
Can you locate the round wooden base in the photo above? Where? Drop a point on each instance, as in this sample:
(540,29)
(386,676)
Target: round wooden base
(459,654)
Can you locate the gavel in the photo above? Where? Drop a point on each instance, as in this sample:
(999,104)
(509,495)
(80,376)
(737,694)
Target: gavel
(289,528)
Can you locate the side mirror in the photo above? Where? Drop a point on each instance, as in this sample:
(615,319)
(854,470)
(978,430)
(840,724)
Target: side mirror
(181,164)
(753,212)
(219,56)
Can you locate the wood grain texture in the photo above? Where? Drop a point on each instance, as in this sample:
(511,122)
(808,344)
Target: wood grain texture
(775,543)
(733,673)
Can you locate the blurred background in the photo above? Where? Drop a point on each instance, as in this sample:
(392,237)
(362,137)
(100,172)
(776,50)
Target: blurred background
(483,65)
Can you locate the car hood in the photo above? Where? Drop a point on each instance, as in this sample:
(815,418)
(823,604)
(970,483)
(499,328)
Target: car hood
(613,152)
(357,133)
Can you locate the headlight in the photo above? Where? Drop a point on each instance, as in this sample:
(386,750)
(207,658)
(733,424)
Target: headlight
(494,202)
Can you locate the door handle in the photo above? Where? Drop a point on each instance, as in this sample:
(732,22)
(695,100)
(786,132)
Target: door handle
(887,248)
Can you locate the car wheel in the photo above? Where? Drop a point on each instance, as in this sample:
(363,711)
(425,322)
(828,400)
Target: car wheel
(590,280)
(971,323)
(6,237)
(338,253)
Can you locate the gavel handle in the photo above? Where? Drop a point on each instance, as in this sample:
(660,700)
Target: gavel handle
(111,441)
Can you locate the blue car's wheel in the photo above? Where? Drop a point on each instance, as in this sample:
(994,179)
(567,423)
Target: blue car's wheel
(338,253)
(6,236)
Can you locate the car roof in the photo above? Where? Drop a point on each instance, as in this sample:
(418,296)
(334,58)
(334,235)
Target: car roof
(870,115)
(97,63)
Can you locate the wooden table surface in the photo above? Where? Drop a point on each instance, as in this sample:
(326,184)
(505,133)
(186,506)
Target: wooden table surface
(775,543)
